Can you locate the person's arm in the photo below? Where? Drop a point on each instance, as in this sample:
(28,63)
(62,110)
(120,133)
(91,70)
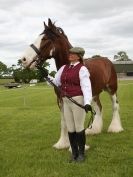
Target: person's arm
(57,79)
(85,84)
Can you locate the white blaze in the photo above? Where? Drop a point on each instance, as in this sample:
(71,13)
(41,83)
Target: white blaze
(29,53)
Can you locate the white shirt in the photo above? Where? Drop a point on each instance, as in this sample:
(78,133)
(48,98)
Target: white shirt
(85,83)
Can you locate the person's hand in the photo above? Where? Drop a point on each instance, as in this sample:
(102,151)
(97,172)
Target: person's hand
(88,108)
(45,73)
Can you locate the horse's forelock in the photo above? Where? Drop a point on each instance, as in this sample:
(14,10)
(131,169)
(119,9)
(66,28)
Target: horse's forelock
(53,31)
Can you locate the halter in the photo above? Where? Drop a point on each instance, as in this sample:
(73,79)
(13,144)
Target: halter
(35,49)
(39,59)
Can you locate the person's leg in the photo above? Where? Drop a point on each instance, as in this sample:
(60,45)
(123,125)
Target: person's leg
(74,146)
(68,115)
(79,119)
(81,139)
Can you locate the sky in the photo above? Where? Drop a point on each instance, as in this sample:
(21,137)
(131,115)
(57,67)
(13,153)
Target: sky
(101,27)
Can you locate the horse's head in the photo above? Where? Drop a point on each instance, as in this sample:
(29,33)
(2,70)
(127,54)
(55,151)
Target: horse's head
(48,45)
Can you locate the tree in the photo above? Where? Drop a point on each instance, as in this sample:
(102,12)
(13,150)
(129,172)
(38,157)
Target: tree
(3,69)
(39,72)
(17,75)
(25,75)
(20,63)
(121,56)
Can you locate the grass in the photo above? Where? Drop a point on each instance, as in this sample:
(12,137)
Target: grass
(30,125)
(4,81)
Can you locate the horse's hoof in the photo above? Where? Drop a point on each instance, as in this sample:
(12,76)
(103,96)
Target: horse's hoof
(115,130)
(61,145)
(115,126)
(92,131)
(87,147)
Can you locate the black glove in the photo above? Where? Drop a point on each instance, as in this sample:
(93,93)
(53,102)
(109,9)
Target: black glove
(44,72)
(88,108)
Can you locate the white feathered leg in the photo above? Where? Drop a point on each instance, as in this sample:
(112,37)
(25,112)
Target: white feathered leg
(115,125)
(63,142)
(98,122)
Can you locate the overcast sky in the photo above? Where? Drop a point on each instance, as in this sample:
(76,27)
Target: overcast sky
(100,26)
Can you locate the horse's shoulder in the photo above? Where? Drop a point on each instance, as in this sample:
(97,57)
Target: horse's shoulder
(97,64)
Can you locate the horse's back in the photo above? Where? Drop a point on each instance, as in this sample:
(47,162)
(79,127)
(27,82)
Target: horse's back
(102,75)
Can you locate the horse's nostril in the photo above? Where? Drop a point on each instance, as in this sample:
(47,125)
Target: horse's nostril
(24,59)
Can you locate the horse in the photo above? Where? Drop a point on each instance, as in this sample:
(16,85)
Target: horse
(53,43)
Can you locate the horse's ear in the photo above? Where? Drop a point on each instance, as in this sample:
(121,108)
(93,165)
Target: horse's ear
(50,24)
(45,26)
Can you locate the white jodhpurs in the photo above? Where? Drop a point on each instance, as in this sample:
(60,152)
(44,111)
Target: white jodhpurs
(73,114)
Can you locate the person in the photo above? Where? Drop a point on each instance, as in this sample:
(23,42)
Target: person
(73,80)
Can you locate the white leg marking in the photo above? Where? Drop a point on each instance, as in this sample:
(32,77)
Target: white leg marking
(115,125)
(63,142)
(97,123)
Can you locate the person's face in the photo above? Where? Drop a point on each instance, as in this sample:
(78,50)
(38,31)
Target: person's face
(73,57)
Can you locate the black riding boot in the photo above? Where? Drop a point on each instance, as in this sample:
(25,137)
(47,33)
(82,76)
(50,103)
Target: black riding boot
(74,146)
(81,139)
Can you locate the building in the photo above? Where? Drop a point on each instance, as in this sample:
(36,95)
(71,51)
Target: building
(124,67)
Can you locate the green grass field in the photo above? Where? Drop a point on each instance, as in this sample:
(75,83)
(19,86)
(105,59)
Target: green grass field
(4,81)
(30,125)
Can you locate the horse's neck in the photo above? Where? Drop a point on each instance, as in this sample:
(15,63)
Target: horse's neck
(61,60)
(62,55)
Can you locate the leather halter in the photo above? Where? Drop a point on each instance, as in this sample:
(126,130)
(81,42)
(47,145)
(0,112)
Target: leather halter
(39,59)
(35,49)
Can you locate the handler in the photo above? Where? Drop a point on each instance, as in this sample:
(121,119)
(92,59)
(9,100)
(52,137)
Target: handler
(74,81)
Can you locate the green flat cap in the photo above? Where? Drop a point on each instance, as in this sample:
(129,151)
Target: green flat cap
(78,50)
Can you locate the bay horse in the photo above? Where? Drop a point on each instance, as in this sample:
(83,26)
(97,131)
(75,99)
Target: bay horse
(53,43)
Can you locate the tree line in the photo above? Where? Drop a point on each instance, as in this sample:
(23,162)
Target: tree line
(22,75)
(25,75)
(120,56)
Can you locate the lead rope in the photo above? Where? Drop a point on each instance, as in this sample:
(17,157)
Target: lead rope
(93,113)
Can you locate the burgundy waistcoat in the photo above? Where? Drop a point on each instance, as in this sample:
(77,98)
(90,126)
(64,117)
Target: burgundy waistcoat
(70,82)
